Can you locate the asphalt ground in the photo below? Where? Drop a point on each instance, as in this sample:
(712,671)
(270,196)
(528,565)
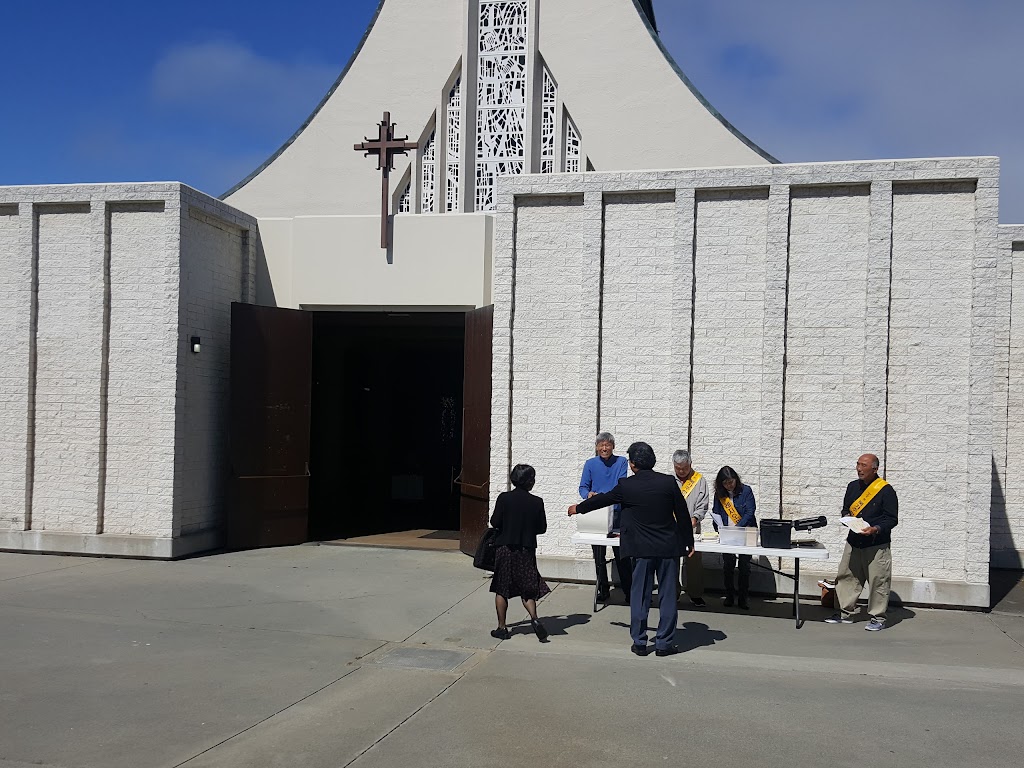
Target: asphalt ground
(358,656)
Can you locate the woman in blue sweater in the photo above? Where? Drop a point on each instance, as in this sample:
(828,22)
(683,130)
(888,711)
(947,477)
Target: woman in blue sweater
(601,473)
(735,505)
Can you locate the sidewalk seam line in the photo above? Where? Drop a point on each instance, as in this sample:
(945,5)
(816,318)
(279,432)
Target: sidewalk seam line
(268,717)
(419,709)
(442,613)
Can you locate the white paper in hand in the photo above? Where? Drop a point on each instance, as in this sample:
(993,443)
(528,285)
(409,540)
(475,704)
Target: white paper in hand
(855,523)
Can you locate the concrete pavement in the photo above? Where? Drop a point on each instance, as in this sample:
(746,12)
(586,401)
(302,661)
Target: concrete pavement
(322,656)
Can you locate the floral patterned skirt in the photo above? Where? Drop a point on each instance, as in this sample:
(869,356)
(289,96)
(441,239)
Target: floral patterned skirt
(516,574)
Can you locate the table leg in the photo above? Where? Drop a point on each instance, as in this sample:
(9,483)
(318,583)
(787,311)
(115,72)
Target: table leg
(796,592)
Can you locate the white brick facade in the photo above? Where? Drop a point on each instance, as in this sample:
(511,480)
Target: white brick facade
(1008,479)
(825,347)
(798,348)
(105,442)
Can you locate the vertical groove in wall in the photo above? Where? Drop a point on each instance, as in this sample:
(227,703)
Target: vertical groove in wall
(888,343)
(785,350)
(101,485)
(33,330)
(693,324)
(600,318)
(511,345)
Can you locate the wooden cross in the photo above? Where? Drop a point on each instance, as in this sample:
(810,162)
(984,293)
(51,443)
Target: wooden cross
(385,146)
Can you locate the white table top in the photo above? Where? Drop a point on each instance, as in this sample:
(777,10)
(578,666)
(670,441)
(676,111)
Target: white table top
(815,552)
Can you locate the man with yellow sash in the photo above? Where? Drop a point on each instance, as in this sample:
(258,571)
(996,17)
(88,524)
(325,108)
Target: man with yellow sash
(694,488)
(866,557)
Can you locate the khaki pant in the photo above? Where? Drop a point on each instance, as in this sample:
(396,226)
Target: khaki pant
(694,568)
(872,565)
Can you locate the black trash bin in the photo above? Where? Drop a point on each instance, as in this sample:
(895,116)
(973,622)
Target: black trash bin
(777,534)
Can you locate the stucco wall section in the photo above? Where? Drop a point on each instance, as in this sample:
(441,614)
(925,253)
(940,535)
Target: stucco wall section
(1008,500)
(828,256)
(216,269)
(930,335)
(549,427)
(15,320)
(728,330)
(139,488)
(69,340)
(637,323)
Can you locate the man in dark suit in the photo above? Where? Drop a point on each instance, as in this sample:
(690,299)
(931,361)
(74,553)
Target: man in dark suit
(656,532)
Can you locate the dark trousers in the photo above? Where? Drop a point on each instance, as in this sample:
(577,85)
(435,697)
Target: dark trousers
(623,564)
(644,571)
(729,567)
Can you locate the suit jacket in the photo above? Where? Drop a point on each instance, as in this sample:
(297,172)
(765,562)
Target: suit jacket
(519,517)
(655,520)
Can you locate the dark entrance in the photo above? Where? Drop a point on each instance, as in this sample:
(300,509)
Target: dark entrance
(386,437)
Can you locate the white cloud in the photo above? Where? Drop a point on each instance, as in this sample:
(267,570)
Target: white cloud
(870,79)
(226,81)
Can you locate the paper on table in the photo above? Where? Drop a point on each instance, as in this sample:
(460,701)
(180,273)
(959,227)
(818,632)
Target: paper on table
(855,523)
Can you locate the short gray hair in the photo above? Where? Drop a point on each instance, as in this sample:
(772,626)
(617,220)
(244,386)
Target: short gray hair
(604,437)
(681,456)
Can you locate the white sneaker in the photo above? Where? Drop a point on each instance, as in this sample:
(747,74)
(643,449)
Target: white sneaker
(827,584)
(875,625)
(838,618)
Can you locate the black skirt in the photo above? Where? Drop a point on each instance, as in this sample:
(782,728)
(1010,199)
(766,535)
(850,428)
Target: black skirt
(516,574)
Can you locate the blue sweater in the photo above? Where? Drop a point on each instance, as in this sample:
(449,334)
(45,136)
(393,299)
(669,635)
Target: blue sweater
(745,505)
(601,476)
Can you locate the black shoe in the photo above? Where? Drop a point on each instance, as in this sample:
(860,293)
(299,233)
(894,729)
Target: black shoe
(672,650)
(698,602)
(602,597)
(542,633)
(729,601)
(744,604)
(640,650)
(501,633)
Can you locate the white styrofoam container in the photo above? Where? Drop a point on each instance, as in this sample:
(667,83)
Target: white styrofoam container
(599,521)
(732,536)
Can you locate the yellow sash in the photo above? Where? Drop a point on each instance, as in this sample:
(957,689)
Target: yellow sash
(689,484)
(730,509)
(867,496)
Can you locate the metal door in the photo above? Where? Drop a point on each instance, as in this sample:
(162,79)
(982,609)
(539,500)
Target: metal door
(476,429)
(271,359)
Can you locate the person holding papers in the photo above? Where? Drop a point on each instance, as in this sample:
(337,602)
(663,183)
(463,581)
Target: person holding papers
(870,511)
(734,505)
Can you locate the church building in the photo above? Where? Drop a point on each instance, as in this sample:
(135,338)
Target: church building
(511,224)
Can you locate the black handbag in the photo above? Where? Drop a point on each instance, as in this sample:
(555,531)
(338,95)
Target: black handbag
(483,558)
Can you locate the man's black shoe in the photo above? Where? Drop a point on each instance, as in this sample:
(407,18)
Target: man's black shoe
(640,650)
(698,601)
(672,650)
(602,597)
(729,601)
(744,604)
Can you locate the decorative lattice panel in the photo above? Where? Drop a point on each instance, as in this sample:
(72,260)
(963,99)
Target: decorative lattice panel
(549,99)
(427,173)
(405,200)
(453,141)
(501,95)
(572,147)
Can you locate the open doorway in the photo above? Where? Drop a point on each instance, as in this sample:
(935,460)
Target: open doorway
(386,436)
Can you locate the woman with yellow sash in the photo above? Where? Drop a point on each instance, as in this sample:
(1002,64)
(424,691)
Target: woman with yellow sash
(734,505)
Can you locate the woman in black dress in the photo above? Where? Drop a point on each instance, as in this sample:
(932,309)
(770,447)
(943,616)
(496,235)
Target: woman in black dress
(519,518)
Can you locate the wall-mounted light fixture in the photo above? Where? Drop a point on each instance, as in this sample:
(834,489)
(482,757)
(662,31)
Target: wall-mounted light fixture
(194,341)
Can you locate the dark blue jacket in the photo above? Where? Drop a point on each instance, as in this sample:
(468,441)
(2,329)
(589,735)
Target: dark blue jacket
(745,505)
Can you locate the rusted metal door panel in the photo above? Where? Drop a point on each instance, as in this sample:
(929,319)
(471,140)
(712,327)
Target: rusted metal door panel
(476,429)
(271,358)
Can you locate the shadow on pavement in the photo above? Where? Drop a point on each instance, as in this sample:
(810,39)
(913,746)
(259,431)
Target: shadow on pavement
(690,635)
(555,625)
(1007,590)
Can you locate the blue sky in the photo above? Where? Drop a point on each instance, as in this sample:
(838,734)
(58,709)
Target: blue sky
(203,92)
